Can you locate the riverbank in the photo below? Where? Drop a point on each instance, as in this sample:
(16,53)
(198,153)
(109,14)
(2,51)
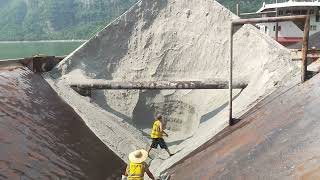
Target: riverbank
(42,41)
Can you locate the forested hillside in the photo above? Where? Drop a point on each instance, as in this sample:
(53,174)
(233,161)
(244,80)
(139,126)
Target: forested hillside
(70,19)
(56,19)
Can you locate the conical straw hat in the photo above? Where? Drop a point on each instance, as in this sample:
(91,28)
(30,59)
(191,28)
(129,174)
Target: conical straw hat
(138,156)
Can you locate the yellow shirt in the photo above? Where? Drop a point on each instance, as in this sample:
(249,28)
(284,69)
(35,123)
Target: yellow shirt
(136,171)
(156,133)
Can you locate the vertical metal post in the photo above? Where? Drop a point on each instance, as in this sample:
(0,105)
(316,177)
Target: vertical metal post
(238,11)
(277,25)
(230,73)
(305,49)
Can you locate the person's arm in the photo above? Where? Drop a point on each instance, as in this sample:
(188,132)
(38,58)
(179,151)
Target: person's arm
(165,133)
(160,127)
(126,172)
(149,172)
(162,130)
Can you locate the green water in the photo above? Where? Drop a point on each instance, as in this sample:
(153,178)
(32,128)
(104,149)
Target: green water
(12,50)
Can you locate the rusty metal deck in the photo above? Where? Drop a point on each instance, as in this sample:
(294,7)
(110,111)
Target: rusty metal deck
(278,139)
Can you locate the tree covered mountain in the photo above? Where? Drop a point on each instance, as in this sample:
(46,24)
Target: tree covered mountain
(70,19)
(56,19)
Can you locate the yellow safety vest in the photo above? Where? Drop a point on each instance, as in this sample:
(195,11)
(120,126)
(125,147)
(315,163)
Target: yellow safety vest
(136,171)
(155,133)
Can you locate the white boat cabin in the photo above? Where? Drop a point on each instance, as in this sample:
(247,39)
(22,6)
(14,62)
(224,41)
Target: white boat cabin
(289,32)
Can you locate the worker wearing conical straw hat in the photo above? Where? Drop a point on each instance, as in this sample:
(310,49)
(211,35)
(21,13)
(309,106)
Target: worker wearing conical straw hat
(137,167)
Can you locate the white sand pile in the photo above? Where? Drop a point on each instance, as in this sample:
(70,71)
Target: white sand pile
(169,40)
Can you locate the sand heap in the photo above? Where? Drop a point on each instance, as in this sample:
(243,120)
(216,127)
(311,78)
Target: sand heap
(169,40)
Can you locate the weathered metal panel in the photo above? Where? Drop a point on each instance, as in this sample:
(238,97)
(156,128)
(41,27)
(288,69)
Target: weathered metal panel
(36,63)
(269,19)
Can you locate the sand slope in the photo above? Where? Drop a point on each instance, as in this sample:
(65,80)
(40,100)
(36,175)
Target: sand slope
(169,40)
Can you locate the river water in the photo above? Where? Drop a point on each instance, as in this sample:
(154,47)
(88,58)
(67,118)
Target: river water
(17,49)
(41,137)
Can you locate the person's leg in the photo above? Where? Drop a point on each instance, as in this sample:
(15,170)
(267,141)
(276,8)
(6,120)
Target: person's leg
(149,149)
(163,145)
(154,145)
(169,152)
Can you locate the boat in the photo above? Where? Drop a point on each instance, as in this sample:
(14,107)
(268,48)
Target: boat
(289,32)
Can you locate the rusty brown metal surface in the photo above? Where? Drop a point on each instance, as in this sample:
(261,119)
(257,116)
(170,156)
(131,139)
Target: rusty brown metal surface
(278,139)
(153,85)
(43,138)
(41,63)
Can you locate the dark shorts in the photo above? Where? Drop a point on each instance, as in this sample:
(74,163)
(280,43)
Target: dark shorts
(160,142)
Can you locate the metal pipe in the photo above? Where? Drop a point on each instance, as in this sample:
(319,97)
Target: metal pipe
(230,74)
(277,25)
(238,11)
(238,22)
(255,13)
(159,85)
(305,49)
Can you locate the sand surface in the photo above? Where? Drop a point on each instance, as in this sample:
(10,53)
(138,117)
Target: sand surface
(169,40)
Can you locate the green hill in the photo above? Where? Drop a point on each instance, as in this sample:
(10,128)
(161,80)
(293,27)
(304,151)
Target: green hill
(56,19)
(70,19)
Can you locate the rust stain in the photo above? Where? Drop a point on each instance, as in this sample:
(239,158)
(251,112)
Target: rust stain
(37,156)
(309,169)
(311,175)
(11,67)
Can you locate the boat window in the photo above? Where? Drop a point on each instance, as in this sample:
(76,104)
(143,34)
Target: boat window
(274,28)
(288,12)
(266,29)
(311,11)
(304,12)
(280,12)
(296,12)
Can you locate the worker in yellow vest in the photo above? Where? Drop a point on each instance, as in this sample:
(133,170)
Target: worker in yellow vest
(157,133)
(137,167)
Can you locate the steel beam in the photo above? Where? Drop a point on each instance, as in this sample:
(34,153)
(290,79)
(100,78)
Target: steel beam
(304,67)
(238,22)
(277,25)
(238,10)
(231,74)
(159,85)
